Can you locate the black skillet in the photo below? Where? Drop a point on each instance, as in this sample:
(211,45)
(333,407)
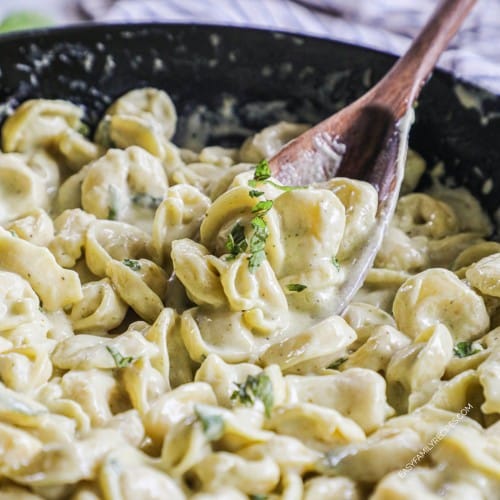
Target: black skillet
(227,82)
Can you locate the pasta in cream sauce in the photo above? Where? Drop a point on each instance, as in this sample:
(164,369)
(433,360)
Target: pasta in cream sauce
(165,329)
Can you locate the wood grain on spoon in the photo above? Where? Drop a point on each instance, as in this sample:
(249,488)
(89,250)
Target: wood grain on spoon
(368,139)
(366,125)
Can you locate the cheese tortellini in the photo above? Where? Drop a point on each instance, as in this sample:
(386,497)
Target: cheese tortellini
(166,328)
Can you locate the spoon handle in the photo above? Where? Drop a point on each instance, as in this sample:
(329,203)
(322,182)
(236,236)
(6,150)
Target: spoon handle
(402,84)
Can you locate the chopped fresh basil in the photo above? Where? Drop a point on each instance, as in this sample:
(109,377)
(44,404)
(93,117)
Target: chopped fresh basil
(120,360)
(236,242)
(464,349)
(255,387)
(254,193)
(262,207)
(134,264)
(146,200)
(257,243)
(296,287)
(262,171)
(212,424)
(113,202)
(336,364)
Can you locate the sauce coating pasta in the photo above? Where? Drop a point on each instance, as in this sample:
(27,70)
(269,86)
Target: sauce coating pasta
(165,328)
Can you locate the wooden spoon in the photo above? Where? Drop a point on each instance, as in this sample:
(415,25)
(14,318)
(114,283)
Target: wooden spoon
(368,140)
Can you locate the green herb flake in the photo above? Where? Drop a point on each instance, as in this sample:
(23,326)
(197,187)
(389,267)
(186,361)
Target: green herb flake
(212,424)
(296,287)
(134,264)
(255,387)
(465,349)
(113,202)
(336,364)
(120,360)
(13,233)
(258,496)
(254,193)
(103,133)
(236,242)
(262,171)
(146,200)
(83,129)
(257,243)
(336,263)
(262,207)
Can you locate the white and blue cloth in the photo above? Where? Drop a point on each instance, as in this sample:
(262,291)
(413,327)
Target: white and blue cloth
(387,25)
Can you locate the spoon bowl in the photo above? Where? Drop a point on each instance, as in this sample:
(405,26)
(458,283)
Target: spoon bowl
(368,140)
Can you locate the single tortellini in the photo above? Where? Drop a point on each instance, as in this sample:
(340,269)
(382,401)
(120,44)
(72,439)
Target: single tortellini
(419,214)
(19,446)
(360,201)
(223,333)
(124,186)
(76,150)
(178,216)
(414,366)
(173,360)
(35,226)
(485,275)
(224,377)
(474,253)
(128,474)
(172,407)
(101,308)
(356,393)
(21,188)
(437,296)
(106,241)
(86,351)
(312,348)
(370,460)
(377,351)
(68,243)
(364,319)
(203,176)
(140,283)
(250,476)
(152,105)
(196,269)
(26,368)
(469,214)
(217,155)
(269,141)
(400,252)
(315,425)
(57,287)
(37,123)
(444,251)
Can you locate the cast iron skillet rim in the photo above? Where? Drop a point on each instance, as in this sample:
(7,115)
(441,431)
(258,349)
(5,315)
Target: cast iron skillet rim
(113,28)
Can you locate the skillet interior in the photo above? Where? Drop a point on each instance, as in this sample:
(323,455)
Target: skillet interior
(228,82)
